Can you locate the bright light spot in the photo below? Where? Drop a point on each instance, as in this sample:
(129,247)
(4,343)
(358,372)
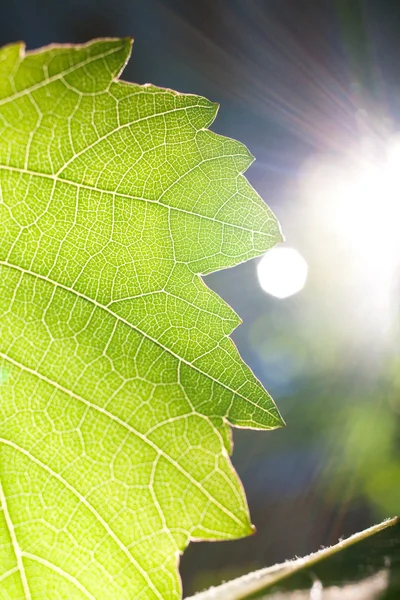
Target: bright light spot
(282,272)
(366,207)
(352,208)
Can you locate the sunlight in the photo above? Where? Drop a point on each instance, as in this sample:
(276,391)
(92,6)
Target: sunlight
(366,207)
(350,205)
(282,272)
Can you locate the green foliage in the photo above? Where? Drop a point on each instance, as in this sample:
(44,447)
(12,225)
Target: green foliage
(118,381)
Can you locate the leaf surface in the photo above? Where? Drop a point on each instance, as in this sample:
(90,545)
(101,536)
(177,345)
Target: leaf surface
(118,381)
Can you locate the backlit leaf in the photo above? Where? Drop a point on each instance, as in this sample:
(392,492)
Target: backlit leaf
(118,381)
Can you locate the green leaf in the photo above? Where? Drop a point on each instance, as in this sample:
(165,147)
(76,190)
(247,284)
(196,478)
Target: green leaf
(372,567)
(118,379)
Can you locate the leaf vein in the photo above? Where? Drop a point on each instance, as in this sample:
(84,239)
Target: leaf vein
(143,333)
(61,572)
(15,544)
(83,500)
(128,427)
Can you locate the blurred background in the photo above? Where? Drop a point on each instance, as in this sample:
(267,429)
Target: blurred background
(312,87)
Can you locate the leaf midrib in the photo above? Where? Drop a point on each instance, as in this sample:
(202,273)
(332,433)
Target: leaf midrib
(115,194)
(138,330)
(128,427)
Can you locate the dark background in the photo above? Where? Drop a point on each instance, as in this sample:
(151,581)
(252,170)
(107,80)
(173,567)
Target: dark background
(293,78)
